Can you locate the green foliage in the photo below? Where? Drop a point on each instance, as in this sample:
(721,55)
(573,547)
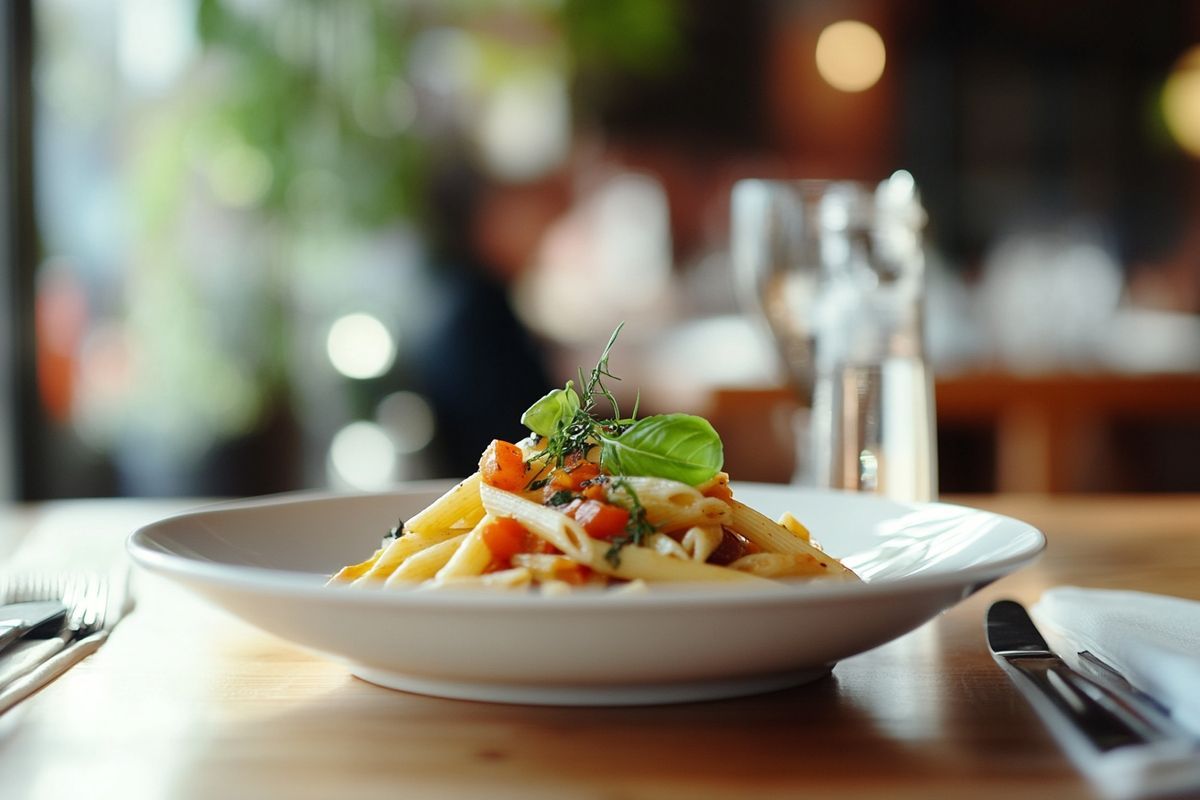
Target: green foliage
(680,447)
(640,37)
(302,128)
(297,84)
(551,413)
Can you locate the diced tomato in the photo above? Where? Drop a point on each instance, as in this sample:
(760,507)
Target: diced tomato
(731,548)
(595,492)
(560,480)
(599,520)
(572,477)
(503,466)
(505,538)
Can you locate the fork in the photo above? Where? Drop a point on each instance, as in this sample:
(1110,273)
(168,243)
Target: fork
(88,597)
(94,604)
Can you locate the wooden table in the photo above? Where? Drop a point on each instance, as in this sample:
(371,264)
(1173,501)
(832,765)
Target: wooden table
(187,702)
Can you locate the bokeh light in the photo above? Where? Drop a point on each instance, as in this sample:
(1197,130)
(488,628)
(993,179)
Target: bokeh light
(1181,101)
(360,346)
(240,175)
(850,56)
(408,419)
(362,456)
(616,237)
(525,125)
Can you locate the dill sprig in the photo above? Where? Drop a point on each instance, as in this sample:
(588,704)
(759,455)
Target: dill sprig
(575,436)
(638,527)
(593,385)
(572,436)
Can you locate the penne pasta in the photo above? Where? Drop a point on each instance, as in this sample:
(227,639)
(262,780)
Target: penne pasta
(547,567)
(772,537)
(399,550)
(515,578)
(642,563)
(671,505)
(701,541)
(353,571)
(793,525)
(661,543)
(624,503)
(471,557)
(566,534)
(424,565)
(555,528)
(458,507)
(783,565)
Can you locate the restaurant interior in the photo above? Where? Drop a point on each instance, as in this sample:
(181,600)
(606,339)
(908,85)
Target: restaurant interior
(262,246)
(274,273)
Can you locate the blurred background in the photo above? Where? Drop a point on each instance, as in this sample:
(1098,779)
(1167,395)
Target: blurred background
(258,245)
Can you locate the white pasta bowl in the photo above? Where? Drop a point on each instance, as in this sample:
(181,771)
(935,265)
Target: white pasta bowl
(266,560)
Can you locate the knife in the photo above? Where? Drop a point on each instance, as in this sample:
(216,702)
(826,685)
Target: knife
(1125,751)
(19,619)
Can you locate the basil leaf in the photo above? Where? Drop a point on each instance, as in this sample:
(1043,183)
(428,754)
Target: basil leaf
(680,447)
(557,408)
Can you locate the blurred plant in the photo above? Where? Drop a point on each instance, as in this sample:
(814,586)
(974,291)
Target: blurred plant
(317,86)
(280,181)
(634,36)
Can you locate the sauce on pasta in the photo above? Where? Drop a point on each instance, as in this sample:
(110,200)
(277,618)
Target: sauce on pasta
(590,502)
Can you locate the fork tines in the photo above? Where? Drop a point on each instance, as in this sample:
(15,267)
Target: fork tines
(86,596)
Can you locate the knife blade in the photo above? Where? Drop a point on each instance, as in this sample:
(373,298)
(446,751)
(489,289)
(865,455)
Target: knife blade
(1125,752)
(20,619)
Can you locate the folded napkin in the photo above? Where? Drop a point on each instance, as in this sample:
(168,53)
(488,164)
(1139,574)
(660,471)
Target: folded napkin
(1153,640)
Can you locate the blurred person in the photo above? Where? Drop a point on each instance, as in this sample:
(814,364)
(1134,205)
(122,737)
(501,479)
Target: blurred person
(478,364)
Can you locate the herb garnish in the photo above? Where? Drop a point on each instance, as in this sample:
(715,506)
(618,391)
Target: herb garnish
(394,533)
(637,529)
(561,498)
(679,447)
(568,422)
(676,446)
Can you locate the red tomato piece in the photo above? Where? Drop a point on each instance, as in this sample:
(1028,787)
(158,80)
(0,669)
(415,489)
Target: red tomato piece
(599,520)
(731,548)
(595,492)
(572,477)
(505,538)
(503,466)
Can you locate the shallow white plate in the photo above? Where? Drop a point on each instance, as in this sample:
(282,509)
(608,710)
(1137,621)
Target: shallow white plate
(266,561)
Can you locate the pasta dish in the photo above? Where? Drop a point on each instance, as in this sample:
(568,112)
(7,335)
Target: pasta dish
(586,502)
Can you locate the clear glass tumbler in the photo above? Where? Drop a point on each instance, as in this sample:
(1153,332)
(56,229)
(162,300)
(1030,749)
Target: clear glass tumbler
(836,270)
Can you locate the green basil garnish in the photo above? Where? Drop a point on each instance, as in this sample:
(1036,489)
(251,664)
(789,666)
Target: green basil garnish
(680,447)
(553,411)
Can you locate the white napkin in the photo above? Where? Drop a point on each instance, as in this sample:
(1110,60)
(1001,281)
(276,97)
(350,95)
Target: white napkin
(1153,640)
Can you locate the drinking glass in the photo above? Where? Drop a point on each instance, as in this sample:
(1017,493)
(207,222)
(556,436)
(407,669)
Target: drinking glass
(836,271)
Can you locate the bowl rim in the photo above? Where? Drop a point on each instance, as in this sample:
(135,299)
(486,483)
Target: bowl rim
(147,553)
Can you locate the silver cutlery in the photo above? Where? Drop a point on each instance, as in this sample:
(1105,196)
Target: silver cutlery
(1126,746)
(94,603)
(27,618)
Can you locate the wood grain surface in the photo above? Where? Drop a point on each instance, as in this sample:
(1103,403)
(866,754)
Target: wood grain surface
(187,702)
